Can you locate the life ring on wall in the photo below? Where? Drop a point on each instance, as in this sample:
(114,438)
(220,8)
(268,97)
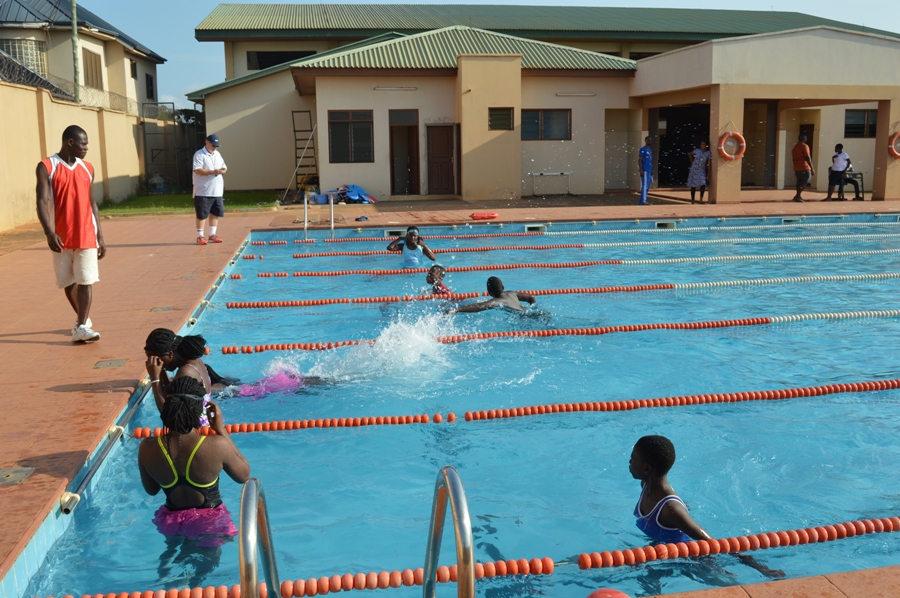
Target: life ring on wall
(484,215)
(742,146)
(892,145)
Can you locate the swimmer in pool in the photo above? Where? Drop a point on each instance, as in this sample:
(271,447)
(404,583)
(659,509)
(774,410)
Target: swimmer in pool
(412,247)
(661,514)
(507,299)
(187,468)
(168,352)
(435,278)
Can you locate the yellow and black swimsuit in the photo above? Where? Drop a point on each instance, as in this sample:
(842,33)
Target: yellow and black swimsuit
(210,491)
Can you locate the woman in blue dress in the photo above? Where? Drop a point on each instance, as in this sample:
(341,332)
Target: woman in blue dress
(699,173)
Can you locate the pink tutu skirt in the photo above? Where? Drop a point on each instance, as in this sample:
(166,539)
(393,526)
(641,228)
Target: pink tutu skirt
(211,526)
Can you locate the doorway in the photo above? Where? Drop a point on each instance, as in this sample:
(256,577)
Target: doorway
(681,128)
(440,160)
(404,126)
(810,131)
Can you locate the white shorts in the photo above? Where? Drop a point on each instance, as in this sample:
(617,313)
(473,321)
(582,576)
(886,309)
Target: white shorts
(76,266)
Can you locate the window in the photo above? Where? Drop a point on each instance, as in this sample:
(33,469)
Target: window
(30,53)
(500,119)
(546,124)
(350,136)
(151,92)
(642,55)
(133,69)
(93,70)
(860,123)
(257,61)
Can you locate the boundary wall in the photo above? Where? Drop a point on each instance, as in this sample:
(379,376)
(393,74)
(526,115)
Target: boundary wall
(31,127)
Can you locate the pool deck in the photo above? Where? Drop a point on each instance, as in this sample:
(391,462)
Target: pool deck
(59,404)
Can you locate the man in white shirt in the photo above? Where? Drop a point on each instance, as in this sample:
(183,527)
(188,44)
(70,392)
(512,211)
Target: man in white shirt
(209,187)
(840,164)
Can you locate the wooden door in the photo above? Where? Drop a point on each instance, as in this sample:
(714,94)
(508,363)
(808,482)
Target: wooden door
(440,160)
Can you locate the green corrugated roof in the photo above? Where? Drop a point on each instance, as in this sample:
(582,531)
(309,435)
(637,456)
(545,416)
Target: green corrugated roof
(200,94)
(330,19)
(438,50)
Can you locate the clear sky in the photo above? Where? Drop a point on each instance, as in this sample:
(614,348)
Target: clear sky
(167,27)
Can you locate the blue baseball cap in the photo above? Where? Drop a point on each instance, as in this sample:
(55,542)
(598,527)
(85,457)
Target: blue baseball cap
(214,139)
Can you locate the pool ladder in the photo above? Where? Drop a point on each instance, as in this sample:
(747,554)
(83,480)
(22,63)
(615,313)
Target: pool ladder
(254,527)
(449,487)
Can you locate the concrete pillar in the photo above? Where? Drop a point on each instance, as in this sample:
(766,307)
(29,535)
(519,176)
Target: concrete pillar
(726,113)
(491,160)
(103,173)
(886,183)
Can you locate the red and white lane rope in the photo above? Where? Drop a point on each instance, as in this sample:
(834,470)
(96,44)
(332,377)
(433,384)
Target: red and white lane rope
(547,409)
(563,265)
(576,291)
(461,338)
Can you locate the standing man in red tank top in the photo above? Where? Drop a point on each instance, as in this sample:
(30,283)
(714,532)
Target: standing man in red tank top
(69,216)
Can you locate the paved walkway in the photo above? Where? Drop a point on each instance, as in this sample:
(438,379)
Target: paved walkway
(57,405)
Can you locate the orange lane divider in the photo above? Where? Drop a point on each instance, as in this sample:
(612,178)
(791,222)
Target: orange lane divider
(429,237)
(794,537)
(506,413)
(273,274)
(310,302)
(705,399)
(348,581)
(303,424)
(477,336)
(248,257)
(463,268)
(236,276)
(456,250)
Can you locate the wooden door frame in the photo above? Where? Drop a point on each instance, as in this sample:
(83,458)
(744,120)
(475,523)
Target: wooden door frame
(415,183)
(454,154)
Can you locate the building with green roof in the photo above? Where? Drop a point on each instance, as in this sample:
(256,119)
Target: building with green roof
(496,102)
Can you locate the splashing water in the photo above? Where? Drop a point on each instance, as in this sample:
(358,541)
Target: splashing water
(405,350)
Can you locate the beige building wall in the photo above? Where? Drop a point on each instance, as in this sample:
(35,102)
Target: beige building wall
(588,98)
(114,148)
(236,52)
(623,139)
(253,122)
(433,97)
(491,160)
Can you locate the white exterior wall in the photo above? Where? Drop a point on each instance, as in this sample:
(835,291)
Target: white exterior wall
(584,154)
(434,98)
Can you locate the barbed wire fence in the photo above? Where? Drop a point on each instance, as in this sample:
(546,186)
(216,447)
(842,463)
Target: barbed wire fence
(13,71)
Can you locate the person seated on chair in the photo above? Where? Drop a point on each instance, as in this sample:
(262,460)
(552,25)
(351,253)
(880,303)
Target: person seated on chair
(840,165)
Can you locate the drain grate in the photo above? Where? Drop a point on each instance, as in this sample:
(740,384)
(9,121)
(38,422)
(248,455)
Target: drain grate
(163,308)
(190,276)
(14,475)
(110,363)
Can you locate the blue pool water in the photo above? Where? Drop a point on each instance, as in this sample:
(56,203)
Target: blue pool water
(359,499)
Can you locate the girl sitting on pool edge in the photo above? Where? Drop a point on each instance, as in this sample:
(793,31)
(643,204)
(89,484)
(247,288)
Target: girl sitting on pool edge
(667,519)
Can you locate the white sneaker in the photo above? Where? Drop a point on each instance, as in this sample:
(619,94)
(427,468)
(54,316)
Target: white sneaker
(83,334)
(89,324)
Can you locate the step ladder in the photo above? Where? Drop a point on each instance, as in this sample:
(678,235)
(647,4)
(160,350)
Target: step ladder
(304,147)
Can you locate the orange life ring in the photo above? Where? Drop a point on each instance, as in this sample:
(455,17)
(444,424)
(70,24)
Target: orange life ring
(484,215)
(892,146)
(742,146)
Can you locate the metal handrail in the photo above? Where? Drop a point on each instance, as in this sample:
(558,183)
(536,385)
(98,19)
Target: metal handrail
(254,526)
(449,485)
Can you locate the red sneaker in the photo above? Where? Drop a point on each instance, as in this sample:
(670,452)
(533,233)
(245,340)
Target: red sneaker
(201,240)
(214,239)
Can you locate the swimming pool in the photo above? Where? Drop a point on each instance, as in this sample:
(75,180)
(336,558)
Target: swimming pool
(344,500)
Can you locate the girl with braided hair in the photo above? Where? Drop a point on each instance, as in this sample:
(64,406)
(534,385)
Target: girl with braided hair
(167,351)
(186,467)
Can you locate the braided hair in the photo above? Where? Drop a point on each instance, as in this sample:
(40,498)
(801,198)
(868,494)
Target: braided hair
(187,407)
(160,341)
(190,347)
